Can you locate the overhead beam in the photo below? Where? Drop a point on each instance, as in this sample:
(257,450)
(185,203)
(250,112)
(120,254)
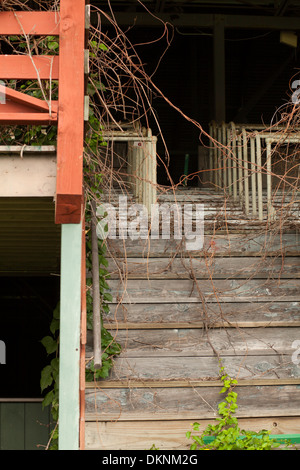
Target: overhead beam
(219,69)
(207,21)
(30,23)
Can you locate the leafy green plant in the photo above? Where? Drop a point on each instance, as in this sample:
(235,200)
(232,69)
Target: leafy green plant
(226,433)
(50,375)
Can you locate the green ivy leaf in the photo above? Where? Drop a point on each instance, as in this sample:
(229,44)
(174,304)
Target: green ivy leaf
(49,344)
(46,378)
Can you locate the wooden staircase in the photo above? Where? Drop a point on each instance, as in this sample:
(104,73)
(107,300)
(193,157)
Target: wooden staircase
(177,312)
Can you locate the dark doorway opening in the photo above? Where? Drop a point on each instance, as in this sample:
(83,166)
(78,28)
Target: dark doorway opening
(26,308)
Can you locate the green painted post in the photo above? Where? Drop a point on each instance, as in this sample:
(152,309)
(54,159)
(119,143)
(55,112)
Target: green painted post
(69,352)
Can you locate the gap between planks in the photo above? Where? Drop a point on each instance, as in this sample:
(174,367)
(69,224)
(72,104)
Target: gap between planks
(107,384)
(199,325)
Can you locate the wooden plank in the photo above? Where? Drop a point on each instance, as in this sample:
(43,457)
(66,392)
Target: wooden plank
(168,435)
(190,315)
(214,245)
(70,315)
(44,23)
(195,403)
(200,342)
(15,97)
(203,368)
(23,67)
(38,119)
(179,291)
(69,185)
(215,268)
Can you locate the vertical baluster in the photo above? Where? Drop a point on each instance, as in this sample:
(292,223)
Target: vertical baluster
(129,166)
(259,178)
(140,172)
(228,163)
(215,155)
(224,154)
(219,170)
(210,154)
(153,163)
(253,176)
(134,168)
(240,171)
(234,163)
(269,180)
(246,175)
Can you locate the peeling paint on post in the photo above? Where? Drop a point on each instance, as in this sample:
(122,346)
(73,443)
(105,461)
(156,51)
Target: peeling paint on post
(70,311)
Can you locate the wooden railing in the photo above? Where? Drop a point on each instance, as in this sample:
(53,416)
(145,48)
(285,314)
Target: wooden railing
(235,162)
(141,163)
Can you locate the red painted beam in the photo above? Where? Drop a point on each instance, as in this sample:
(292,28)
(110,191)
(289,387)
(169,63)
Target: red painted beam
(13,118)
(69,181)
(19,108)
(29,22)
(28,101)
(23,67)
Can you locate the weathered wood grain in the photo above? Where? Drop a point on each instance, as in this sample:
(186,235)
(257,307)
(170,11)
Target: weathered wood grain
(168,435)
(190,315)
(245,308)
(205,368)
(196,342)
(210,268)
(191,403)
(157,291)
(214,245)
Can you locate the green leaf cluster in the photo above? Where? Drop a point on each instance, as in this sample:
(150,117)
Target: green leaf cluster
(226,434)
(49,381)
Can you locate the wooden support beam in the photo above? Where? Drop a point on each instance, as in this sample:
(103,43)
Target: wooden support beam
(69,189)
(29,22)
(32,118)
(19,108)
(27,100)
(18,67)
(70,314)
(219,69)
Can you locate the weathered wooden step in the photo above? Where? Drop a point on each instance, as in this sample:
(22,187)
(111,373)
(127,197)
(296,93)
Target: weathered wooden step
(168,434)
(190,369)
(194,403)
(197,315)
(214,245)
(179,343)
(206,268)
(156,291)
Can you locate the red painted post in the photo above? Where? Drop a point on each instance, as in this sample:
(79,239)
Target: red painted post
(69,189)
